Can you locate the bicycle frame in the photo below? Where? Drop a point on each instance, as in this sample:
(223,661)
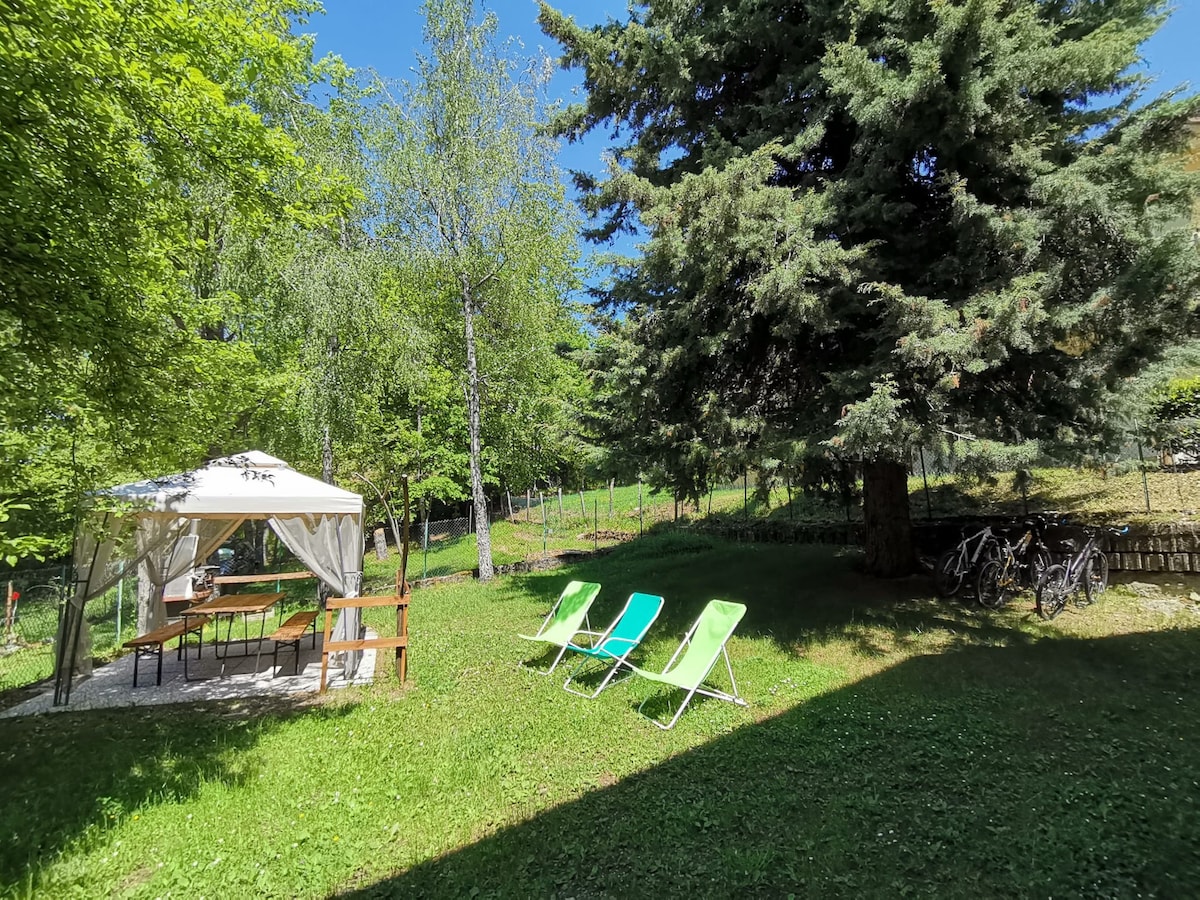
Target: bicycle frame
(963,565)
(1077,562)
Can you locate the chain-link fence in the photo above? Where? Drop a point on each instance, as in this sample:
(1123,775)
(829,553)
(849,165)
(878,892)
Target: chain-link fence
(549,522)
(33,600)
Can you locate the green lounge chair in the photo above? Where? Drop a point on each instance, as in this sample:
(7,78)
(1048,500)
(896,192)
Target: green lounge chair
(570,612)
(622,636)
(705,642)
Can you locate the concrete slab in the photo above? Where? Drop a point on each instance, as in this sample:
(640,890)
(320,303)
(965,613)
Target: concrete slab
(111,685)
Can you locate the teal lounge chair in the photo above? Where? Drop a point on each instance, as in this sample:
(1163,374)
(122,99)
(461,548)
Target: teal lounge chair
(565,619)
(615,645)
(705,642)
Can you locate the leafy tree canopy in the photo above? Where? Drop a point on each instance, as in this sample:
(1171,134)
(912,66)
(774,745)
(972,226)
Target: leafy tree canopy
(871,221)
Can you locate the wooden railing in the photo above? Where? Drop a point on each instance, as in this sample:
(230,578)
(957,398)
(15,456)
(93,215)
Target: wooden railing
(399,642)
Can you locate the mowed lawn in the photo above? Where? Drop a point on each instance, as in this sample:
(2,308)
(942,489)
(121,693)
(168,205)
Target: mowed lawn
(895,745)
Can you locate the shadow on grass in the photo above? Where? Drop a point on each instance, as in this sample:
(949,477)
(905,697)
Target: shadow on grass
(1065,767)
(69,775)
(796,595)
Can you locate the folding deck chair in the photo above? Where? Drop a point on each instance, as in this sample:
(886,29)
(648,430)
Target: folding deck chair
(562,624)
(622,636)
(704,643)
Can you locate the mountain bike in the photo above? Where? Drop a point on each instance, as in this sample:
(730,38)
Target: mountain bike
(955,565)
(1018,567)
(1085,570)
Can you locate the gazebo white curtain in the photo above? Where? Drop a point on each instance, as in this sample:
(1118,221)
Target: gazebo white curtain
(320,523)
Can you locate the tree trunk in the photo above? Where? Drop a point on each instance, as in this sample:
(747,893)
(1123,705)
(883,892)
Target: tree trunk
(327,457)
(890,550)
(483,533)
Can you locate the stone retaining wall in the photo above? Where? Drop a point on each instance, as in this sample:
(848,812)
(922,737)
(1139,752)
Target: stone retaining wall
(1173,547)
(1156,548)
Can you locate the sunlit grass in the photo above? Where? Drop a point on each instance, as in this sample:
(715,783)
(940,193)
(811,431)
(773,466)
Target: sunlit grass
(956,751)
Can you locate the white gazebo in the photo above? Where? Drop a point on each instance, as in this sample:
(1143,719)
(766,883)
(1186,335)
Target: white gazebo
(146,523)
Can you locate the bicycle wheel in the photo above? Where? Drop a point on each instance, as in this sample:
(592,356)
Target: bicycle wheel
(996,584)
(1036,563)
(1095,576)
(947,579)
(1052,591)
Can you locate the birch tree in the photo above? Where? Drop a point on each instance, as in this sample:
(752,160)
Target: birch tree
(472,196)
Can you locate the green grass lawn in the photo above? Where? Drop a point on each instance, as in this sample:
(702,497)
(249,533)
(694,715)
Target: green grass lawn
(895,745)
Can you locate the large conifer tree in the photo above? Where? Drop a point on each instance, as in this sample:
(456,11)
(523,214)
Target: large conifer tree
(875,221)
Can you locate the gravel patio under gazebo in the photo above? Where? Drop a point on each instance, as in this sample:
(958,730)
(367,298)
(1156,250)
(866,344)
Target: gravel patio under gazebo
(111,685)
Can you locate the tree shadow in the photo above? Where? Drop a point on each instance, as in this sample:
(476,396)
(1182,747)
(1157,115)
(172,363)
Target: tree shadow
(796,595)
(71,773)
(1063,767)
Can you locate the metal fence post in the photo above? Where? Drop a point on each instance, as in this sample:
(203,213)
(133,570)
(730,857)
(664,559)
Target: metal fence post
(425,555)
(746,494)
(925,479)
(120,592)
(1145,483)
(596,524)
(641,511)
(543,526)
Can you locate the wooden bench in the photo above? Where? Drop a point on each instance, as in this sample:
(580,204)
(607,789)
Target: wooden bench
(151,643)
(292,632)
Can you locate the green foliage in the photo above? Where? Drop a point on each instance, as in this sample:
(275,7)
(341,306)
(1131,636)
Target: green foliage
(146,157)
(15,547)
(474,222)
(981,460)
(971,203)
(1175,416)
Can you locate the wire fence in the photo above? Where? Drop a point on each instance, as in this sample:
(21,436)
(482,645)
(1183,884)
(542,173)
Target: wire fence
(33,602)
(551,522)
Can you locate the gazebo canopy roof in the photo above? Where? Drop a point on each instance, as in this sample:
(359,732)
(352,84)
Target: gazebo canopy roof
(251,485)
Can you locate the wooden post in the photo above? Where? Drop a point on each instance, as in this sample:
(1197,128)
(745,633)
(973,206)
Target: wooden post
(404,592)
(529,506)
(611,483)
(8,611)
(404,551)
(560,508)
(582,505)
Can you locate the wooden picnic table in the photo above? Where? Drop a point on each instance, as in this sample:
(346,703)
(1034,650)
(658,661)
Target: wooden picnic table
(267,576)
(230,605)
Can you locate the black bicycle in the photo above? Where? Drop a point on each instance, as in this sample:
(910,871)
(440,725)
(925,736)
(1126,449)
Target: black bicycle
(1018,567)
(1085,571)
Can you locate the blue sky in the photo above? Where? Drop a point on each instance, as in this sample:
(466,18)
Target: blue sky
(385,35)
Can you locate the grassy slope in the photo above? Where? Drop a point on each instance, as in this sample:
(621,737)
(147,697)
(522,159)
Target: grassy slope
(895,745)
